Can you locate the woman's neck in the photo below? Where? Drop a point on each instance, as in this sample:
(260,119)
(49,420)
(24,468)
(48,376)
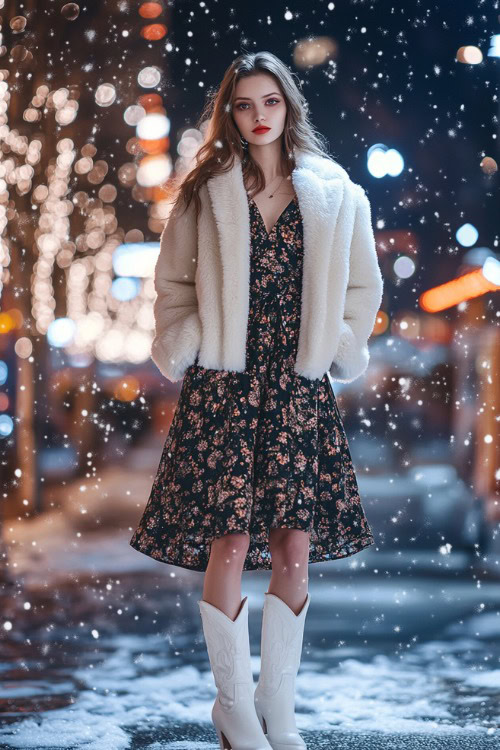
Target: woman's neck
(269,160)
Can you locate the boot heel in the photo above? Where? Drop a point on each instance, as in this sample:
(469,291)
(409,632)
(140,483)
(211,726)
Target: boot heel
(223,740)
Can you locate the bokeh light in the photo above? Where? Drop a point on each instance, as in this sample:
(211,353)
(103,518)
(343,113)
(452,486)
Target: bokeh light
(467,235)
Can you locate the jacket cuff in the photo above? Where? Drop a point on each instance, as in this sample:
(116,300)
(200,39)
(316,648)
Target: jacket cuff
(171,359)
(352,357)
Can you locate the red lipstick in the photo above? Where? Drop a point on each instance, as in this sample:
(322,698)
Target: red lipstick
(260,129)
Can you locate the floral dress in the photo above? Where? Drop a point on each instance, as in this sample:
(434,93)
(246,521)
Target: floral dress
(261,449)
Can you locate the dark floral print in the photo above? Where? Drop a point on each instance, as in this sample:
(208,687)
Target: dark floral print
(262,449)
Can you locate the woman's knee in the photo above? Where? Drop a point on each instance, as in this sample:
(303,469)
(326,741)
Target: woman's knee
(231,548)
(289,547)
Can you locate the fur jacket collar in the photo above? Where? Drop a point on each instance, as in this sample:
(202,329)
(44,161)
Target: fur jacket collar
(202,276)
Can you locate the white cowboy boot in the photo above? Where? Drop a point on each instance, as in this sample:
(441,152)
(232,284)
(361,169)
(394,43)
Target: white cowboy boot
(281,648)
(228,646)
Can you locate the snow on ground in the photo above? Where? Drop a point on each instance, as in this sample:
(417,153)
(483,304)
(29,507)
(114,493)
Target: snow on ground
(139,686)
(127,685)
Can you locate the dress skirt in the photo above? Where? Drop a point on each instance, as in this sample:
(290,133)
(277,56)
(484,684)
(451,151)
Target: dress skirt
(260,449)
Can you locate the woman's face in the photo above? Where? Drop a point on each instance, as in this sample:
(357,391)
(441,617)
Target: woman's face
(258,101)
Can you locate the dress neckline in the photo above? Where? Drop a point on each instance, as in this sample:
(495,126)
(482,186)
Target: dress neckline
(251,200)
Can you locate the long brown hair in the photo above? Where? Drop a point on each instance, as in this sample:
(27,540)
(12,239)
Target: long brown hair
(222,137)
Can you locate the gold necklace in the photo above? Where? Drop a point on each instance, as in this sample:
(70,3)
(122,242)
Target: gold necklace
(272,194)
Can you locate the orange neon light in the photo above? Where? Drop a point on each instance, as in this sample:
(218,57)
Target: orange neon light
(453,292)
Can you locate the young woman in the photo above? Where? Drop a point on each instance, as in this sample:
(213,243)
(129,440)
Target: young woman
(268,285)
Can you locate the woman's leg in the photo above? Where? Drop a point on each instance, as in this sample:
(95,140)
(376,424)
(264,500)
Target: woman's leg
(290,566)
(283,618)
(222,582)
(225,626)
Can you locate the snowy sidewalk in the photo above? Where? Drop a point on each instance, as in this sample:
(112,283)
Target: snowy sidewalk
(102,649)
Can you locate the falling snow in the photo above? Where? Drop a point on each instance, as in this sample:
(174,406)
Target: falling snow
(101,647)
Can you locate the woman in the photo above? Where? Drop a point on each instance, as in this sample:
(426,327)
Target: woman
(268,284)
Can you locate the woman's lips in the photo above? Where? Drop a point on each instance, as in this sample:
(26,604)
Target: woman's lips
(261,130)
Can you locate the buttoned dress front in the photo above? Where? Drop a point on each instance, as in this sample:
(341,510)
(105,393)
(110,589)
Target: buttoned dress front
(260,449)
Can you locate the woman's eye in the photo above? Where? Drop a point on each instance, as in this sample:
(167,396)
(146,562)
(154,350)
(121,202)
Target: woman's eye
(242,104)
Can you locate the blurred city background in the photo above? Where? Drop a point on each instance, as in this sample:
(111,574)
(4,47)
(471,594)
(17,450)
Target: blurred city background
(100,646)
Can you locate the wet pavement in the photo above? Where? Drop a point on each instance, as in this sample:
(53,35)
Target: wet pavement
(393,656)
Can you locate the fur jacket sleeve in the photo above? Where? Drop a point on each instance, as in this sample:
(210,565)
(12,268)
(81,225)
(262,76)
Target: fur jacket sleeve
(177,322)
(362,299)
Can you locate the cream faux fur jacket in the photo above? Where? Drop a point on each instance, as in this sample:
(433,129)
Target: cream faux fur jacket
(202,276)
